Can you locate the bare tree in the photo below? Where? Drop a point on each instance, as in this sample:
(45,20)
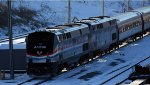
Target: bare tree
(123,5)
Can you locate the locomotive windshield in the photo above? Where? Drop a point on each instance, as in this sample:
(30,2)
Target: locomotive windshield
(40,43)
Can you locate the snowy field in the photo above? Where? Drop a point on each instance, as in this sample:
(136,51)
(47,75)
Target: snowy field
(99,70)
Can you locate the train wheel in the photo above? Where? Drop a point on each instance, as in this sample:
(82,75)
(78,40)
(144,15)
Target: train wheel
(56,70)
(80,61)
(73,65)
(60,68)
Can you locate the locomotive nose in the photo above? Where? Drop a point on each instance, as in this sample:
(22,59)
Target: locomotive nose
(40,44)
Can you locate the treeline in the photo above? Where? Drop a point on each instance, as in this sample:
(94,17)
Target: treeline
(20,16)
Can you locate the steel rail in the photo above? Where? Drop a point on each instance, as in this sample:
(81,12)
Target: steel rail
(131,67)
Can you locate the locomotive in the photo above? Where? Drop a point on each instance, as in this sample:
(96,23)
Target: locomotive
(65,46)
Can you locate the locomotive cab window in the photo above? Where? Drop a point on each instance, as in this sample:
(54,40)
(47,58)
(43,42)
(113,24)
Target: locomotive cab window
(68,35)
(64,36)
(94,27)
(60,37)
(99,26)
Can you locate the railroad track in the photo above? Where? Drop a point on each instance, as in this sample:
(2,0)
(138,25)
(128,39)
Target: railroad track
(123,73)
(29,80)
(34,81)
(45,80)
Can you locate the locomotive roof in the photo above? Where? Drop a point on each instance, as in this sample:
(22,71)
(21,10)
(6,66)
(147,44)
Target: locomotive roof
(121,18)
(144,9)
(125,16)
(60,29)
(96,20)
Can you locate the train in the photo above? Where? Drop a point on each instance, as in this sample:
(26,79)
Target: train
(52,49)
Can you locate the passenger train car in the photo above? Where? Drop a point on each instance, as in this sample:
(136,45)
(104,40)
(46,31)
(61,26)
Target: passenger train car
(64,46)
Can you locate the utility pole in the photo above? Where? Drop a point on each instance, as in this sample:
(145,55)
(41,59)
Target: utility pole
(10,41)
(143,3)
(102,7)
(69,14)
(127,6)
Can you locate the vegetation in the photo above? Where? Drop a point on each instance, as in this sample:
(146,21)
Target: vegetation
(3,15)
(20,16)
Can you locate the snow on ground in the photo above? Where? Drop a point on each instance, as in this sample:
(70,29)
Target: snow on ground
(100,69)
(18,44)
(2,34)
(57,10)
